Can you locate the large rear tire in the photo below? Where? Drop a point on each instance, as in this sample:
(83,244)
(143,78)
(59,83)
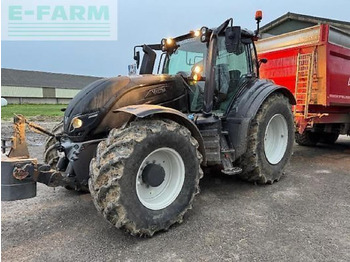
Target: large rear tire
(270,141)
(145,176)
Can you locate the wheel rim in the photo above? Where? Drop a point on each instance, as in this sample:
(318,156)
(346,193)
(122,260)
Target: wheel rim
(276,139)
(160,196)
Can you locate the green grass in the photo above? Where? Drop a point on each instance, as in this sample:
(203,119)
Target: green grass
(33,111)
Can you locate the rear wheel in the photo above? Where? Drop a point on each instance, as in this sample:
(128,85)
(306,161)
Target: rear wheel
(270,141)
(329,138)
(307,138)
(145,176)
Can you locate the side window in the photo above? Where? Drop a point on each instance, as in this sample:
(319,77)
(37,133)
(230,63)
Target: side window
(230,67)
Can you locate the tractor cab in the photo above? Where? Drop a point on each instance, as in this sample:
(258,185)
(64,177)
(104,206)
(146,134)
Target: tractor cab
(214,63)
(230,70)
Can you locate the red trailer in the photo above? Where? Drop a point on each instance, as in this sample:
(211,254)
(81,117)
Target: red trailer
(314,63)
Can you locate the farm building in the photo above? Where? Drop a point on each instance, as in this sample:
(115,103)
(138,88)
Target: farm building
(291,22)
(25,87)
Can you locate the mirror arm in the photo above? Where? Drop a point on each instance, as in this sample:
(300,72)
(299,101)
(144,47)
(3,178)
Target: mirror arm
(223,26)
(262,61)
(137,56)
(160,61)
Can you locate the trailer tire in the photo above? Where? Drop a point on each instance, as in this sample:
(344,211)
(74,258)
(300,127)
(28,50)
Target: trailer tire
(329,138)
(51,156)
(270,141)
(307,138)
(120,185)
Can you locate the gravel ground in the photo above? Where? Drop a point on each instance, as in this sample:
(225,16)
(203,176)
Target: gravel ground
(304,217)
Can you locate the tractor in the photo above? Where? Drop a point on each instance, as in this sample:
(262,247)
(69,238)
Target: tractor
(139,143)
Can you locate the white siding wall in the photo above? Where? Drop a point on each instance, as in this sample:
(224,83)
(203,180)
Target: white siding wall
(66,93)
(19,95)
(19,91)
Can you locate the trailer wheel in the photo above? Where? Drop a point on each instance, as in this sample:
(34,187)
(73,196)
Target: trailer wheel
(270,141)
(51,156)
(307,138)
(145,176)
(329,138)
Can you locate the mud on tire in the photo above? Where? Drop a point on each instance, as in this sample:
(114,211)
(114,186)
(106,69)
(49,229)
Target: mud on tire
(113,175)
(255,165)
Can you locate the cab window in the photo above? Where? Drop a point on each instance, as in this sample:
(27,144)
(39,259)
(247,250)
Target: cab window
(229,69)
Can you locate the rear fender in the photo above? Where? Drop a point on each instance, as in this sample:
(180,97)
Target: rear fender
(143,111)
(245,109)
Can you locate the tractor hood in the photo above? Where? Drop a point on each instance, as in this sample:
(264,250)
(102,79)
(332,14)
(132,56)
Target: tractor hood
(94,102)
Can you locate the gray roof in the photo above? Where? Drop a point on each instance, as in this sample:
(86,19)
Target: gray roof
(312,20)
(14,77)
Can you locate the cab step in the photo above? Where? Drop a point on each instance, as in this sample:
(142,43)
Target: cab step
(232,171)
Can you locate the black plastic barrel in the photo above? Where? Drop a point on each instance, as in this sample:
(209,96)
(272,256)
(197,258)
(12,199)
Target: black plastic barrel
(12,188)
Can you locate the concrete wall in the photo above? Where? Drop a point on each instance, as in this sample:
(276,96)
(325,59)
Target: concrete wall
(37,95)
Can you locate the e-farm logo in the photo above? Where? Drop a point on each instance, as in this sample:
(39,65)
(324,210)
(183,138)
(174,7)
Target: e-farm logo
(59,20)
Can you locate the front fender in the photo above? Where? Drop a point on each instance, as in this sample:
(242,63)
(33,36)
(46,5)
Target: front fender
(245,109)
(142,111)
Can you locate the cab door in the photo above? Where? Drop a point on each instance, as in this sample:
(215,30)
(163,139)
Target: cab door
(231,71)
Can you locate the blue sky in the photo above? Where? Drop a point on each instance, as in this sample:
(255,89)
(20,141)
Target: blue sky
(147,22)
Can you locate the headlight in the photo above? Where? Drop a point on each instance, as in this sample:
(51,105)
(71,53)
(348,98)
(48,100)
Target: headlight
(77,122)
(197,33)
(81,122)
(168,44)
(205,34)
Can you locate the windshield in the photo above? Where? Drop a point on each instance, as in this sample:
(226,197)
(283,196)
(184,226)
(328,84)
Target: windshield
(230,69)
(190,53)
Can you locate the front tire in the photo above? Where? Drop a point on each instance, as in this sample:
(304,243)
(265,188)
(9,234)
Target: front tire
(270,141)
(145,176)
(50,151)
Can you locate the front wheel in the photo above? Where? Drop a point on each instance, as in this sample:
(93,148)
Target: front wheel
(270,141)
(145,176)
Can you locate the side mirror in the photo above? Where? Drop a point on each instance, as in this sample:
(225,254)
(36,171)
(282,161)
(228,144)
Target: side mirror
(149,57)
(137,58)
(262,61)
(233,39)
